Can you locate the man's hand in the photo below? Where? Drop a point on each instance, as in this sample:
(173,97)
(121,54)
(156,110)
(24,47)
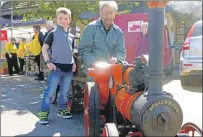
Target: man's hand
(10,56)
(113,60)
(51,66)
(74,68)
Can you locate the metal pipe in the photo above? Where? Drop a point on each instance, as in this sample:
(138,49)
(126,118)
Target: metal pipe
(0,30)
(156,43)
(11,18)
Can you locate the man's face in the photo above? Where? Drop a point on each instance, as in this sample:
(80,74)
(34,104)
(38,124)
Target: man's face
(63,20)
(107,15)
(144,29)
(13,41)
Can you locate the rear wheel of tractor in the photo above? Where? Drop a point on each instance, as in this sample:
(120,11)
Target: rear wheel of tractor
(71,99)
(191,129)
(185,80)
(92,110)
(55,97)
(110,130)
(75,100)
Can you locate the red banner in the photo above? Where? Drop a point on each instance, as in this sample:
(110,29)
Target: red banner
(4,35)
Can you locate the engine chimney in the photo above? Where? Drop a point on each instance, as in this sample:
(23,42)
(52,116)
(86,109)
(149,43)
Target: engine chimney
(156,43)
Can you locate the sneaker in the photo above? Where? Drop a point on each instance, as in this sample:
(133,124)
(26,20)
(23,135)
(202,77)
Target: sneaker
(64,113)
(43,116)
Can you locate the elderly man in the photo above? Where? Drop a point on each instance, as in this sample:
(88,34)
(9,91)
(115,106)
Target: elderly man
(49,25)
(102,40)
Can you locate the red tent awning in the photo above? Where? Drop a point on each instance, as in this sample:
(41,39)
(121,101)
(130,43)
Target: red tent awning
(4,35)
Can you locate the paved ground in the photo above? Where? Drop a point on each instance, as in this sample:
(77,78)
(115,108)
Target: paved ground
(21,98)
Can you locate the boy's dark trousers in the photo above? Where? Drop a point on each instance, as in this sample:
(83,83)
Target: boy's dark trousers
(12,62)
(41,74)
(22,63)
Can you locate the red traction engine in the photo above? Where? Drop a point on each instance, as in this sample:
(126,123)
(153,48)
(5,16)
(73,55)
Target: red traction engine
(117,103)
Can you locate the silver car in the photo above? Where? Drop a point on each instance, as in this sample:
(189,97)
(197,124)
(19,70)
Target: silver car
(191,55)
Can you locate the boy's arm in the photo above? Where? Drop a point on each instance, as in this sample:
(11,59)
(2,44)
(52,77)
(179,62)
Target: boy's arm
(47,44)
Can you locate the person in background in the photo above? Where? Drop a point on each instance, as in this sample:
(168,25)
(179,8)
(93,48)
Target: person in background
(21,54)
(143,46)
(11,57)
(49,25)
(35,48)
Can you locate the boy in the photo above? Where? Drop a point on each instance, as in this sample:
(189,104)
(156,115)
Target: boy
(61,65)
(11,57)
(21,54)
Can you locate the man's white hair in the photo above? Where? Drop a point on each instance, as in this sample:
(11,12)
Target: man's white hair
(50,23)
(112,4)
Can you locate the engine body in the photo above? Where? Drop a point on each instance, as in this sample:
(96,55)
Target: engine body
(152,115)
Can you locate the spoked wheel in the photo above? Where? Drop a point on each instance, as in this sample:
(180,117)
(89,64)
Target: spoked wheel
(191,129)
(110,130)
(55,97)
(75,99)
(91,110)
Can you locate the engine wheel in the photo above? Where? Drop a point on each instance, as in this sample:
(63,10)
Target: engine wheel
(110,130)
(92,110)
(75,99)
(191,129)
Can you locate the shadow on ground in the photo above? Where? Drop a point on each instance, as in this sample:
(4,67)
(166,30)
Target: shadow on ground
(21,98)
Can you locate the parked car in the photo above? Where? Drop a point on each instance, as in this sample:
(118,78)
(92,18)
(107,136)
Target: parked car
(191,55)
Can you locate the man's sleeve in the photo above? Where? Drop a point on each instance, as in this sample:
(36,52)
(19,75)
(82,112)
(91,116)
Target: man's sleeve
(120,50)
(41,38)
(7,47)
(49,39)
(85,46)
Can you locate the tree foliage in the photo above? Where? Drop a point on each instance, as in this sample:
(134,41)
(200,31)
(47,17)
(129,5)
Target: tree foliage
(46,9)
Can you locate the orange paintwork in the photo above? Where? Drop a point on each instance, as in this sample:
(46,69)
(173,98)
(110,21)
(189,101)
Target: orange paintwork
(157,4)
(116,70)
(101,74)
(124,101)
(126,75)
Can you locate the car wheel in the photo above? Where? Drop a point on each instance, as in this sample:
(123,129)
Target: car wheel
(185,80)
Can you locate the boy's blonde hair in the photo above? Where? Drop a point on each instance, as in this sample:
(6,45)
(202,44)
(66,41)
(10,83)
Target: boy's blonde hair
(64,11)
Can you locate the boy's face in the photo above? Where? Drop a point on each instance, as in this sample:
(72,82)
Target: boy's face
(63,20)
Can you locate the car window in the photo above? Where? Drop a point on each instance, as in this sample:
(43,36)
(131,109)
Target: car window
(198,30)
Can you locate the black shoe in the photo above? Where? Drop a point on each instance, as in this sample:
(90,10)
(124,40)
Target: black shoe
(36,74)
(21,73)
(39,78)
(10,74)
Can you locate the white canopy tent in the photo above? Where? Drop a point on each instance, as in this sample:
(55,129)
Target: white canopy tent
(22,32)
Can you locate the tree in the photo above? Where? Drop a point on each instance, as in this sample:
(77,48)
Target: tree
(47,9)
